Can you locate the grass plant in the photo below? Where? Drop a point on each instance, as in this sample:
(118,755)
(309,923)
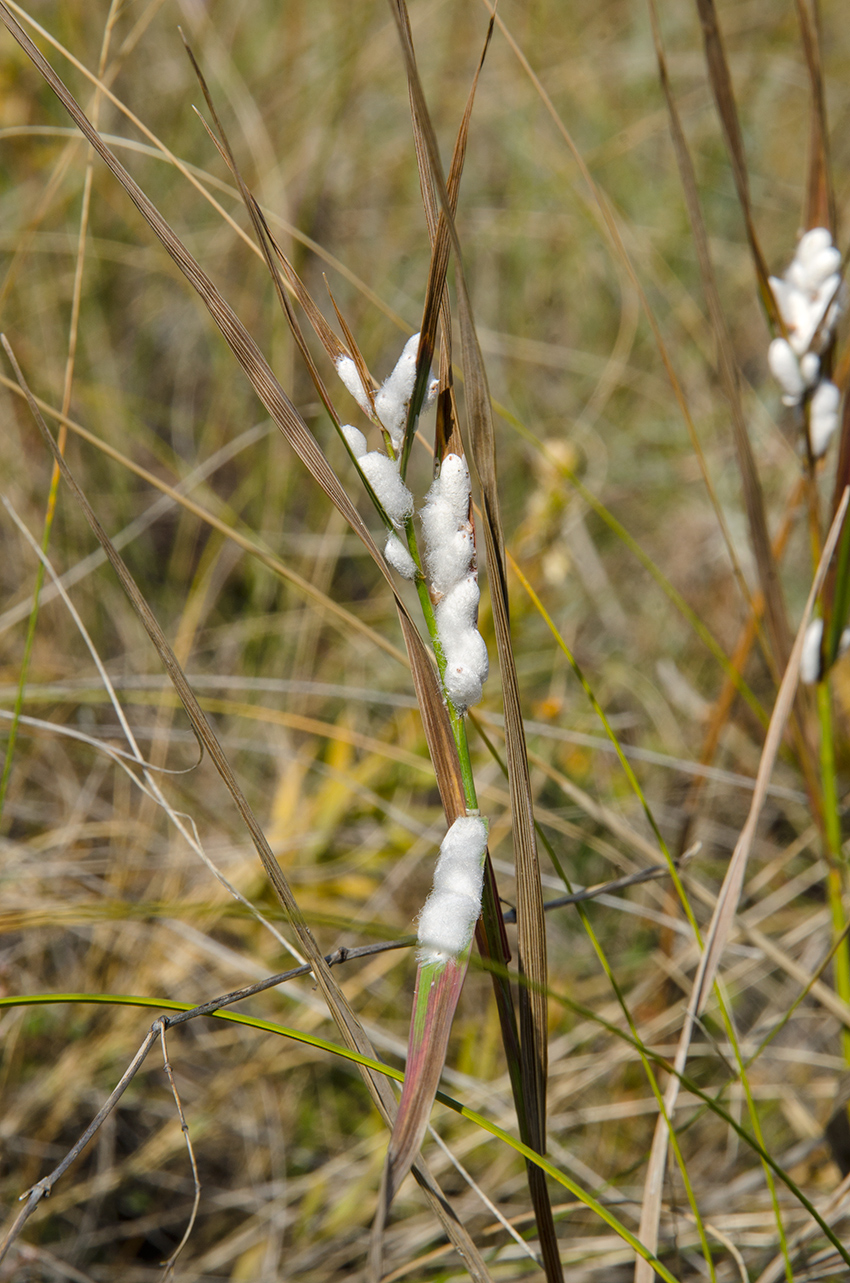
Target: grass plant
(232,749)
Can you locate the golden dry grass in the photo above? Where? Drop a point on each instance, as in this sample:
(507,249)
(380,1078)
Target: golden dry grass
(101,894)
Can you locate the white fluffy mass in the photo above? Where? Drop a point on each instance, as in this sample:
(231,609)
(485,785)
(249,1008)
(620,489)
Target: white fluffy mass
(451,911)
(806,294)
(392,400)
(785,368)
(823,416)
(399,557)
(347,371)
(450,561)
(808,300)
(810,659)
(356,440)
(383,476)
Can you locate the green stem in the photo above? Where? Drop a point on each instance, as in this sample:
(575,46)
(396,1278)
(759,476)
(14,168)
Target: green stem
(832,835)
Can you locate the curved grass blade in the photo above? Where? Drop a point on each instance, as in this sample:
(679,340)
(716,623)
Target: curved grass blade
(357,1058)
(438,988)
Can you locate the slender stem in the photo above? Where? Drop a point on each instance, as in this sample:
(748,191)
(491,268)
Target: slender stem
(832,827)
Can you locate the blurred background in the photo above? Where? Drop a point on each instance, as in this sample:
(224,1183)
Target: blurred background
(607,515)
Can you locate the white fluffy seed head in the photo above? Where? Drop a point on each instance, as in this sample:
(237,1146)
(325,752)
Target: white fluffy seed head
(383,476)
(823,416)
(810,660)
(347,371)
(451,911)
(399,557)
(356,440)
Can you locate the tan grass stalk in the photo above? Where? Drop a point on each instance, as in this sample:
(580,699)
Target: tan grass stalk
(724,913)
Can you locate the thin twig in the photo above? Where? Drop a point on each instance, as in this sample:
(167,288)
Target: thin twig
(184,1127)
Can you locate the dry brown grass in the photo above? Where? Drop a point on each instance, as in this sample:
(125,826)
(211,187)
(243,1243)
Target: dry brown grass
(101,895)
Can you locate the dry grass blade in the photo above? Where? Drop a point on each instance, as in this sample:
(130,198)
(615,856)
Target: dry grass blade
(601,209)
(447,437)
(531,928)
(344,617)
(726,907)
(438,989)
(269,250)
(724,98)
(328,339)
(43,1188)
(347,1022)
(729,373)
(723,704)
(356,355)
(820,196)
(272,395)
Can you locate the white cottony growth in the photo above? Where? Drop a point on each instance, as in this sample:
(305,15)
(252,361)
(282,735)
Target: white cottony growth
(806,295)
(399,557)
(445,523)
(393,399)
(451,911)
(785,368)
(458,610)
(810,369)
(446,925)
(347,371)
(447,502)
(467,667)
(450,559)
(430,394)
(356,440)
(383,476)
(810,659)
(823,416)
(808,300)
(464,648)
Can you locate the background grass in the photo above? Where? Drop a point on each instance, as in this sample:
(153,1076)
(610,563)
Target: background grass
(99,892)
